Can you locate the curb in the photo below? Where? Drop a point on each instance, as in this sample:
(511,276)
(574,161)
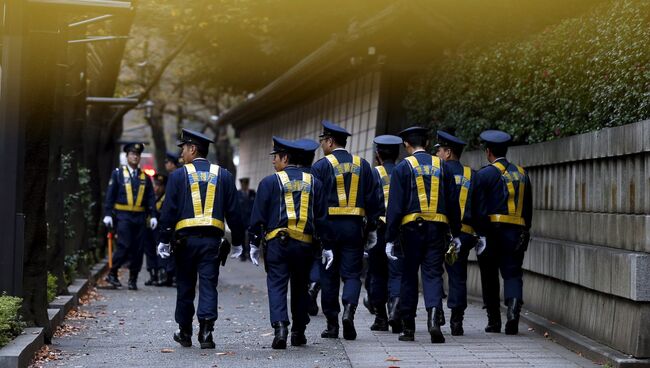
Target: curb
(19,352)
(580,344)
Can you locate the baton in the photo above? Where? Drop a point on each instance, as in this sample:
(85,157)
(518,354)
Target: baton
(109,236)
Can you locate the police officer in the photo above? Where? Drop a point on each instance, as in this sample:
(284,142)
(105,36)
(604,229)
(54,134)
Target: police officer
(384,277)
(503,221)
(287,212)
(155,264)
(199,197)
(305,160)
(449,149)
(423,209)
(171,162)
(351,198)
(130,198)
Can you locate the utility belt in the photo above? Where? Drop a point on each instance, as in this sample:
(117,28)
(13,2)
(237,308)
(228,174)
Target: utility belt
(507,219)
(467,229)
(200,221)
(421,217)
(128,208)
(346,211)
(284,234)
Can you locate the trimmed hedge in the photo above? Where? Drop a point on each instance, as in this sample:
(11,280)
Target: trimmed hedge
(580,75)
(11,324)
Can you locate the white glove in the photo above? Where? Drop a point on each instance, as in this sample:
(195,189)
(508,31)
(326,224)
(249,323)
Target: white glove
(328,258)
(108,221)
(164,250)
(153,223)
(236,251)
(480,245)
(389,251)
(255,255)
(372,240)
(457,244)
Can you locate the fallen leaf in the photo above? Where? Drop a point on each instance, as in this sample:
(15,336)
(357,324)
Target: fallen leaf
(267,334)
(166,350)
(546,334)
(393,359)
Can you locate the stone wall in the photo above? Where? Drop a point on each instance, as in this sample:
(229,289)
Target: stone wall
(588,264)
(354,104)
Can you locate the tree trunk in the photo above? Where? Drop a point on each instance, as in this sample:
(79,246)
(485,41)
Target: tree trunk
(38,108)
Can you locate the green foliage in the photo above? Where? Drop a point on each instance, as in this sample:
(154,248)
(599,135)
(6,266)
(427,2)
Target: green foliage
(11,324)
(70,267)
(51,287)
(581,75)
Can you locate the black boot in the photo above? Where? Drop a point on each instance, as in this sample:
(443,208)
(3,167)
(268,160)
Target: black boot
(133,282)
(368,305)
(281,333)
(162,277)
(349,332)
(184,336)
(434,326)
(298,337)
(393,315)
(408,330)
(153,278)
(112,279)
(205,334)
(440,316)
(332,330)
(494,320)
(514,308)
(381,319)
(456,322)
(314,288)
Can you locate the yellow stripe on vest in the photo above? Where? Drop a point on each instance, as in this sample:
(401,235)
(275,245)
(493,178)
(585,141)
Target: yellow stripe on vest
(515,210)
(202,213)
(295,225)
(428,208)
(346,202)
(128,187)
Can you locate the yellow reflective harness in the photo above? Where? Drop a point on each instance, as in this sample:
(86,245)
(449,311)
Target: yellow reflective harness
(159,203)
(346,202)
(428,208)
(202,212)
(130,206)
(385,183)
(515,210)
(464,182)
(295,223)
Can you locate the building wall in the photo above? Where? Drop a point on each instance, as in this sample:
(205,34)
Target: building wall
(588,264)
(353,104)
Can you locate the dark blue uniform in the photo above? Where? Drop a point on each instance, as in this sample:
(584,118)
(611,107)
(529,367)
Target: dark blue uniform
(424,239)
(289,251)
(464,177)
(503,215)
(344,233)
(197,238)
(131,199)
(385,277)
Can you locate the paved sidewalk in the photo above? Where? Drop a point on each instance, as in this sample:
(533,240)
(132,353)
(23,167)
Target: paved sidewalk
(132,329)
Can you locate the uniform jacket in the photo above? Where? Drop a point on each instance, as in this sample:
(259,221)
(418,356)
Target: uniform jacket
(492,197)
(404,196)
(270,211)
(178,204)
(116,193)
